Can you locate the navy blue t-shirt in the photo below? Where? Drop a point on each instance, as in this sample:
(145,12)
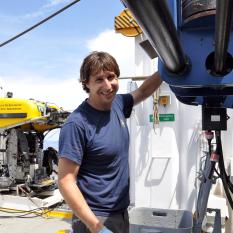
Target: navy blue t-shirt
(99,142)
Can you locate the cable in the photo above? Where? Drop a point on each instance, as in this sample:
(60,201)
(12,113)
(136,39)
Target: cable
(19,211)
(39,23)
(225,181)
(25,213)
(216,171)
(222,168)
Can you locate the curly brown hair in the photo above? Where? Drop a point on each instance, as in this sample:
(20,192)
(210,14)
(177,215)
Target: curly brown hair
(95,63)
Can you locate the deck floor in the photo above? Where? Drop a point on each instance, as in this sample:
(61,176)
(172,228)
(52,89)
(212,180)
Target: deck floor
(34,225)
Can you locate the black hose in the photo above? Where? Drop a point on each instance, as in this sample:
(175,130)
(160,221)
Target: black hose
(222,168)
(212,169)
(222,165)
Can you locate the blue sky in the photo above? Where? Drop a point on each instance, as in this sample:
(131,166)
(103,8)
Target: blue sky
(44,64)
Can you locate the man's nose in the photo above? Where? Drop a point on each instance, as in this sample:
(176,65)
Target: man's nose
(107,83)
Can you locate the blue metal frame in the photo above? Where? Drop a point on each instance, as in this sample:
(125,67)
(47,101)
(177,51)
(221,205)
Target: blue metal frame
(197,40)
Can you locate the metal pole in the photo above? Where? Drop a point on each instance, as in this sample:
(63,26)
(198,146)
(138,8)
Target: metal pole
(222,33)
(156,22)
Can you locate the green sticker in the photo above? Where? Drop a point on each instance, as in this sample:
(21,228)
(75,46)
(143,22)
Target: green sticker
(151,118)
(167,117)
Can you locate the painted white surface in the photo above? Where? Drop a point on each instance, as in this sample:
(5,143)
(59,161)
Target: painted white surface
(164,156)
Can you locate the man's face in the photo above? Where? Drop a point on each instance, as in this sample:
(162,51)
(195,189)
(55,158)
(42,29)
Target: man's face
(103,87)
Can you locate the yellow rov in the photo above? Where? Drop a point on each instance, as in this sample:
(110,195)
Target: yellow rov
(24,165)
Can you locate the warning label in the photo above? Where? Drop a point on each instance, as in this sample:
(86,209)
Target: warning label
(10,107)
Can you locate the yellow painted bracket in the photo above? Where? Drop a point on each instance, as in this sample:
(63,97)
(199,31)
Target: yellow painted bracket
(126,24)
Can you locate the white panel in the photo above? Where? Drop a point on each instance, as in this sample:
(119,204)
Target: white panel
(163,143)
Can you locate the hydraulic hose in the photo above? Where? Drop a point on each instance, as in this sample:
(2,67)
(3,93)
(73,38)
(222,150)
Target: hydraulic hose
(223,174)
(222,166)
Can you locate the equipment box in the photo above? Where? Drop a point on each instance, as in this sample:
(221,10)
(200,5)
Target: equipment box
(149,220)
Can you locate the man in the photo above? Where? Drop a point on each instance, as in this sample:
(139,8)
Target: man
(93,148)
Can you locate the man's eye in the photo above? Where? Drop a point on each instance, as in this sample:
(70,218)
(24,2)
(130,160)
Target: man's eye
(111,77)
(98,80)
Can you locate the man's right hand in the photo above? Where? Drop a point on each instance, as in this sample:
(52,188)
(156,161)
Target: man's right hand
(105,230)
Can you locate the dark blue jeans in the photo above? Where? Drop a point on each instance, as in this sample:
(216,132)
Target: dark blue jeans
(117,223)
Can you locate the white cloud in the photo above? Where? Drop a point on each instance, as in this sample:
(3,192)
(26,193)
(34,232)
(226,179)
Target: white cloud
(119,46)
(44,8)
(68,93)
(32,15)
(52,3)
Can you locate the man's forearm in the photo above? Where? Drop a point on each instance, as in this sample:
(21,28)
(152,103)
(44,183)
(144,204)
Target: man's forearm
(147,88)
(151,84)
(77,203)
